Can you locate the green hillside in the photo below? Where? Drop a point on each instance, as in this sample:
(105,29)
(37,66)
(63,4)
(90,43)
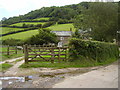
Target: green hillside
(62,27)
(22,35)
(27,34)
(8,29)
(53,13)
(63,16)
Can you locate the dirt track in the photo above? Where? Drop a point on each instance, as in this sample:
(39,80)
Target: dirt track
(106,77)
(97,77)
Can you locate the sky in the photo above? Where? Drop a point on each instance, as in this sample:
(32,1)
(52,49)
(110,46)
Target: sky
(10,8)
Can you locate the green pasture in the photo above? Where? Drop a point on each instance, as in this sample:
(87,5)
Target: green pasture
(27,34)
(7,29)
(21,35)
(62,27)
(21,23)
(45,18)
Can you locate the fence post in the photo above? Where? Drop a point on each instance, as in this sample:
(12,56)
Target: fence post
(16,49)
(59,55)
(66,53)
(52,55)
(8,50)
(26,53)
(23,48)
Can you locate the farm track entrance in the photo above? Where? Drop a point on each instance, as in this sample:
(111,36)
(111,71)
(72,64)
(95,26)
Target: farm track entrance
(38,53)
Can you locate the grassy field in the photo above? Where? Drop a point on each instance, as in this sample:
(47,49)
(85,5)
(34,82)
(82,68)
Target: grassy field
(21,35)
(7,29)
(62,27)
(21,23)
(46,18)
(27,34)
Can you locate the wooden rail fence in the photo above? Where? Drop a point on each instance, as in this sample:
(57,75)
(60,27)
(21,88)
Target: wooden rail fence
(8,50)
(38,53)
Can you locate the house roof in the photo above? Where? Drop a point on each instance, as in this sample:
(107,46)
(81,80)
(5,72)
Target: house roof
(62,33)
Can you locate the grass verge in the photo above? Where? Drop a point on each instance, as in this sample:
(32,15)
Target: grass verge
(76,64)
(17,61)
(5,66)
(12,56)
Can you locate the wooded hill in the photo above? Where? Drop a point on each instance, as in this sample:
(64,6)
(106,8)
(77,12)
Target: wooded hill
(61,14)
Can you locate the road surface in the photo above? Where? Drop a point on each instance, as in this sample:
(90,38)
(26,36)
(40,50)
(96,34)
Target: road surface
(106,77)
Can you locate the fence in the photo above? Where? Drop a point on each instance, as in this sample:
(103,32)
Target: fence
(37,53)
(8,50)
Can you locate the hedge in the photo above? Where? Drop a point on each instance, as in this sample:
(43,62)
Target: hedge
(14,32)
(96,50)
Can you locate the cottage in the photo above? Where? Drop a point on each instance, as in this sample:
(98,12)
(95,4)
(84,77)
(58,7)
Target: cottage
(63,36)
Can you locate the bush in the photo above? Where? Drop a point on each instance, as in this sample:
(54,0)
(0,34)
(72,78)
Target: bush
(98,51)
(12,42)
(45,36)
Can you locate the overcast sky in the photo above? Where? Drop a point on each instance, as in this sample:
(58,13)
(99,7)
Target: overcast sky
(10,8)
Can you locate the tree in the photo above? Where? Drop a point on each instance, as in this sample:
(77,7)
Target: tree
(102,19)
(45,36)
(4,18)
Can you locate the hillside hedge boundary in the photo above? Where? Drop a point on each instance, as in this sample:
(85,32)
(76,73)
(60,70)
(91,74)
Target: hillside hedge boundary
(14,32)
(95,50)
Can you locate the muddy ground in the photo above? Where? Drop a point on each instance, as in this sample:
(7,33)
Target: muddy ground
(16,77)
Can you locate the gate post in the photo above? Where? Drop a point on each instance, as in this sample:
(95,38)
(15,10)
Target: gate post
(26,53)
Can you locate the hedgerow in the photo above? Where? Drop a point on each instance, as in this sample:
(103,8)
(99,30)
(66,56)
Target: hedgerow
(95,50)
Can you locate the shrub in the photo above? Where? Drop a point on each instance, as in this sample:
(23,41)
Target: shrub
(12,42)
(98,51)
(45,36)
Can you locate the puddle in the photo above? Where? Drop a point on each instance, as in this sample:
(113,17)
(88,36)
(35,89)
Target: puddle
(21,79)
(5,81)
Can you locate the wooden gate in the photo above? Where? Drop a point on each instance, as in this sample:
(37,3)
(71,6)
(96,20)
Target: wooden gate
(39,53)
